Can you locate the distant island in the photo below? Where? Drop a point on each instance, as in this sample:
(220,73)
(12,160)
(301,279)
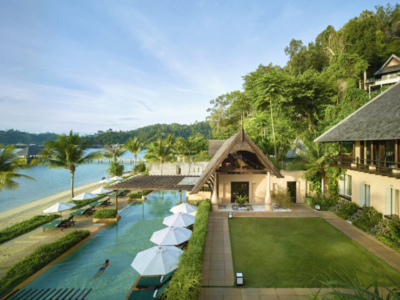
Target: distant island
(144,134)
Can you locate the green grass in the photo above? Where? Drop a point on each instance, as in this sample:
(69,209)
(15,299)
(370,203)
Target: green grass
(25,226)
(299,252)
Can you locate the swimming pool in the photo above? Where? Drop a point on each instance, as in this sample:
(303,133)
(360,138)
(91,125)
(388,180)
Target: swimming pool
(118,242)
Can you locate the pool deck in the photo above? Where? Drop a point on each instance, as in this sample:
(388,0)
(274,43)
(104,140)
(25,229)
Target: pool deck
(218,274)
(25,244)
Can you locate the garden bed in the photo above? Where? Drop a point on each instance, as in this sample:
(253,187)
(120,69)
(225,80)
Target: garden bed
(106,216)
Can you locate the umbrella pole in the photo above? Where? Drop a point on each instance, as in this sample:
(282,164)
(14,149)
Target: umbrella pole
(159,286)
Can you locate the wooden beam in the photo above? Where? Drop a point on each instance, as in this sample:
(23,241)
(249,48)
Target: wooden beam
(372,153)
(381,152)
(362,152)
(242,171)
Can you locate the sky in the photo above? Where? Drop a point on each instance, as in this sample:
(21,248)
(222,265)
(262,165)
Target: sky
(94,65)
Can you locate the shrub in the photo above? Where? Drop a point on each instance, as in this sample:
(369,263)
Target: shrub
(186,282)
(42,256)
(105,214)
(348,209)
(25,226)
(325,203)
(241,199)
(140,167)
(115,169)
(368,219)
(392,236)
(281,197)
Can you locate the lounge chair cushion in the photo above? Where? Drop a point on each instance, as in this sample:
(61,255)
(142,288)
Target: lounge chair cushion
(141,295)
(154,280)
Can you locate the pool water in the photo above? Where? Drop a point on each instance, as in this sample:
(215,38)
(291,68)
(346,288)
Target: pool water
(118,242)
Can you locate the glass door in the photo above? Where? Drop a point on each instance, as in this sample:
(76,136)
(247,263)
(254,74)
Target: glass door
(239,189)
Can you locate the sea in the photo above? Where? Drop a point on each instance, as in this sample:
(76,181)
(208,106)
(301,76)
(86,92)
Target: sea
(52,181)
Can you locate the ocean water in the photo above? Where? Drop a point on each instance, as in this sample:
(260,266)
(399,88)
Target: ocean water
(119,242)
(49,182)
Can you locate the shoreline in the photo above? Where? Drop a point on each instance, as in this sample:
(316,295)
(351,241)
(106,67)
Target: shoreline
(36,207)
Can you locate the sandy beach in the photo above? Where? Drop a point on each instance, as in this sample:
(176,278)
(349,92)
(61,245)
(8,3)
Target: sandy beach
(26,211)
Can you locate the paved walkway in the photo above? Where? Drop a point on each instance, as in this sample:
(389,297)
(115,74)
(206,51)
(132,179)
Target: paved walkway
(218,271)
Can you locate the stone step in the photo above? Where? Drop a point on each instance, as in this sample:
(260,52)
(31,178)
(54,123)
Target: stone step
(381,227)
(372,232)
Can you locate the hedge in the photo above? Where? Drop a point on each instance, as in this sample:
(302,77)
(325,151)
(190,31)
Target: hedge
(325,203)
(105,214)
(348,209)
(368,219)
(25,226)
(186,281)
(41,257)
(392,236)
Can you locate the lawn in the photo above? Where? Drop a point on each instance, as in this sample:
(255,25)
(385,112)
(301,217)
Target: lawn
(299,252)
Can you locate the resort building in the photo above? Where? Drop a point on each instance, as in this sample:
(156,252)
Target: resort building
(373,167)
(238,168)
(388,74)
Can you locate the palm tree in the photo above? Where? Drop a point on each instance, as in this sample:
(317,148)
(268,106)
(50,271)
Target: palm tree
(113,152)
(179,146)
(134,146)
(67,152)
(315,160)
(158,152)
(10,164)
(191,147)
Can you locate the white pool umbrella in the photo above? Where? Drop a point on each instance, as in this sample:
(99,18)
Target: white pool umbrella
(171,236)
(184,208)
(157,260)
(105,181)
(179,220)
(116,178)
(85,196)
(101,190)
(59,207)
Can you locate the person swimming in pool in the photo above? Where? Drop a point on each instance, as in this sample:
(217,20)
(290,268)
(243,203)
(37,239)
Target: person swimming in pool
(101,270)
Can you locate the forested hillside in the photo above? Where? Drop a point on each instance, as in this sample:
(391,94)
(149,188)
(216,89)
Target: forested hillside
(321,84)
(144,134)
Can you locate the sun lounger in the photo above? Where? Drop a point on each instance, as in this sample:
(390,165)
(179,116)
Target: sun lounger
(83,211)
(144,282)
(120,192)
(68,221)
(148,295)
(56,226)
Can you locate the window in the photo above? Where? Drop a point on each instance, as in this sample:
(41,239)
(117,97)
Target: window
(368,152)
(345,185)
(365,192)
(389,154)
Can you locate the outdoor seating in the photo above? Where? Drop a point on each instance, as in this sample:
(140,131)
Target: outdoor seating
(83,211)
(148,295)
(68,221)
(120,192)
(145,282)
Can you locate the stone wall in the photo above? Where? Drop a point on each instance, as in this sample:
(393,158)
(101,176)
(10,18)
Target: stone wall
(192,168)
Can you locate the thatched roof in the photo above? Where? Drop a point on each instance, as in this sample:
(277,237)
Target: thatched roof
(159,182)
(232,144)
(30,151)
(376,120)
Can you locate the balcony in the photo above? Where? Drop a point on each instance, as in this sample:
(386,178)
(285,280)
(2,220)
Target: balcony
(382,81)
(377,167)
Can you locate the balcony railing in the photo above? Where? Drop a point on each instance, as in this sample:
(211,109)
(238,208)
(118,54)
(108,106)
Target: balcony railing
(379,167)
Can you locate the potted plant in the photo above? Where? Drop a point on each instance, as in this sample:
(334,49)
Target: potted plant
(242,200)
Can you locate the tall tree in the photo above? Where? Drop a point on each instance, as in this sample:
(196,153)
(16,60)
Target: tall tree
(267,89)
(67,152)
(10,164)
(134,146)
(158,152)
